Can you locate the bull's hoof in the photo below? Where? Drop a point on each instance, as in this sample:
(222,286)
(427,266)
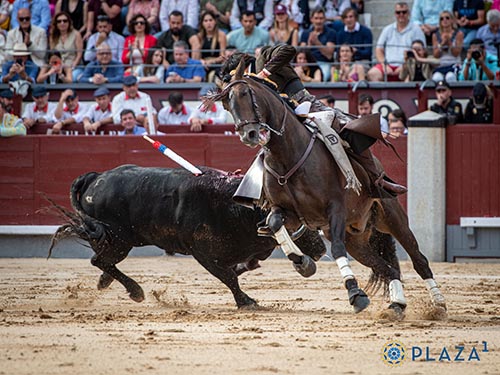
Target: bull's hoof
(398,309)
(137,295)
(105,280)
(358,299)
(307,267)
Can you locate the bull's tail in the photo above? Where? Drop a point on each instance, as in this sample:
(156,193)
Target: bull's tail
(79,223)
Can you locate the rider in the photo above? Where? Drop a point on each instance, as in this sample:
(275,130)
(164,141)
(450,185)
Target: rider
(274,63)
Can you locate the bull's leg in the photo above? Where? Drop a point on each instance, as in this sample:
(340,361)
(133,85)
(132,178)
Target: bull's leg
(395,222)
(225,275)
(135,291)
(303,263)
(357,297)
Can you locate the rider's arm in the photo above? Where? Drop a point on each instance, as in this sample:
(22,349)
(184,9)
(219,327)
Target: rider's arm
(277,57)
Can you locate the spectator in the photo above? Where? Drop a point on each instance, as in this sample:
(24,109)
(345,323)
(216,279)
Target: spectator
(333,11)
(110,8)
(213,42)
(207,116)
(184,69)
(327,100)
(55,71)
(149,9)
(40,13)
(100,114)
(5,7)
(7,99)
(41,111)
(417,66)
(222,11)
(138,43)
(397,124)
(177,113)
(358,36)
(262,10)
(445,104)
(425,14)
(103,70)
(33,36)
(20,68)
(248,38)
(130,124)
(189,10)
(3,54)
(77,10)
(178,31)
(65,39)
(479,109)
(365,108)
(154,70)
(321,40)
(68,110)
(470,17)
(283,30)
(104,34)
(447,44)
(479,64)
(305,66)
(490,33)
(132,98)
(347,71)
(10,124)
(394,40)
(298,12)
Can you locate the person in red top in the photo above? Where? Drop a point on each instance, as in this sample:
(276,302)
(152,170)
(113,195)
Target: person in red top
(139,42)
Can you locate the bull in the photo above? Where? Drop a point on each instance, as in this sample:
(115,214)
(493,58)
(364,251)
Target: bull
(131,206)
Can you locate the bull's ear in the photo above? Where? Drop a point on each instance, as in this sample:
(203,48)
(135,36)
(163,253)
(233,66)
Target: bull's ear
(240,69)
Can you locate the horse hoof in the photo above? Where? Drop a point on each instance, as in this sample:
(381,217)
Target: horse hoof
(249,306)
(104,281)
(137,295)
(358,299)
(398,309)
(307,267)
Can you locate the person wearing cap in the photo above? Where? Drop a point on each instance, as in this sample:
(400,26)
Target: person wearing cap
(480,65)
(33,36)
(130,124)
(185,69)
(41,111)
(99,114)
(21,67)
(10,125)
(68,111)
(479,109)
(445,104)
(104,69)
(283,30)
(132,98)
(40,13)
(176,113)
(216,114)
(104,34)
(7,98)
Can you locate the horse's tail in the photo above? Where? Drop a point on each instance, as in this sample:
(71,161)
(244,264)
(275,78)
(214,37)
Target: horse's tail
(79,223)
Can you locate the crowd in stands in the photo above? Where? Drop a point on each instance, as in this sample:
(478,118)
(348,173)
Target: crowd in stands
(179,41)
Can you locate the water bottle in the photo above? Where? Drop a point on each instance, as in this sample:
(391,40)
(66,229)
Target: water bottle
(52,79)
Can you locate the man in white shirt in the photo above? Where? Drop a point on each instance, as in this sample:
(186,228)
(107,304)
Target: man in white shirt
(40,111)
(177,113)
(68,110)
(207,116)
(99,114)
(132,98)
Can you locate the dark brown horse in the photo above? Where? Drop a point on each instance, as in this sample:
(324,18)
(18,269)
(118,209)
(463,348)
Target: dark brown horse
(303,184)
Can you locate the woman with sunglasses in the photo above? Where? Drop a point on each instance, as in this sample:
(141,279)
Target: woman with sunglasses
(65,39)
(77,11)
(150,9)
(447,43)
(139,42)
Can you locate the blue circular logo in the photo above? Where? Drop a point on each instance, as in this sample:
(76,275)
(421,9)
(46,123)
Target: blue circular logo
(393,353)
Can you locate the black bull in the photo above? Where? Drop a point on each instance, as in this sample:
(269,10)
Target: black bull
(130,206)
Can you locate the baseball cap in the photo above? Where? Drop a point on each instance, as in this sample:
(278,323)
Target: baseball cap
(280,9)
(442,85)
(8,94)
(101,91)
(38,91)
(129,80)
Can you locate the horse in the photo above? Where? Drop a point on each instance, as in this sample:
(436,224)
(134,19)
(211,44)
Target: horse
(303,185)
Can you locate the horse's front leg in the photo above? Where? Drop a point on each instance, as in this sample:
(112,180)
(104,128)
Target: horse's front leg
(357,297)
(303,263)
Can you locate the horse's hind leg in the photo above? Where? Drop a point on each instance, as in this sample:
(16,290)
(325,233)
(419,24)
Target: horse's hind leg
(303,263)
(393,220)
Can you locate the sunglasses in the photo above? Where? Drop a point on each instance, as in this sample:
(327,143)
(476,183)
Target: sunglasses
(139,23)
(440,90)
(401,12)
(445,18)
(104,53)
(24,19)
(62,20)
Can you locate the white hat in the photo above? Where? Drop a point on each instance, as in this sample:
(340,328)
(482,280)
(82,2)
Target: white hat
(20,49)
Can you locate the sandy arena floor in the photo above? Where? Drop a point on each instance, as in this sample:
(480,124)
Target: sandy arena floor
(53,320)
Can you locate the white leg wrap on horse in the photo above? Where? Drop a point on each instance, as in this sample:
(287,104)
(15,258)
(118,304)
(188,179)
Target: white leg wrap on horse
(396,292)
(436,295)
(286,243)
(344,268)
